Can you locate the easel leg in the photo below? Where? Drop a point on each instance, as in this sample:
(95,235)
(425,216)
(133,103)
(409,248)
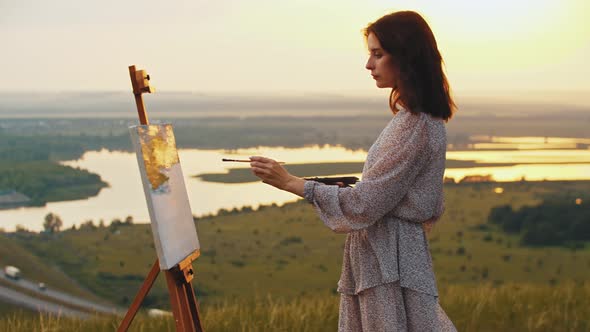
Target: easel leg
(183,302)
(194,305)
(145,288)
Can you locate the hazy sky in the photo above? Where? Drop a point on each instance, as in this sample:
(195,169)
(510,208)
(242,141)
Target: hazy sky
(270,46)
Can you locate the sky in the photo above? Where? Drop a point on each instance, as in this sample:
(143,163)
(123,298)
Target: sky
(286,46)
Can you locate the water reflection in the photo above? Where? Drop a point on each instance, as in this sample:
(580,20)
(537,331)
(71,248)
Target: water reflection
(523,156)
(125,195)
(529,139)
(528,143)
(538,172)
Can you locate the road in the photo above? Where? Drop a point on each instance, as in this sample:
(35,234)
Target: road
(53,294)
(22,300)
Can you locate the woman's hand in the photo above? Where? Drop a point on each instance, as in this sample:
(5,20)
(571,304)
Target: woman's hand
(428,225)
(272,173)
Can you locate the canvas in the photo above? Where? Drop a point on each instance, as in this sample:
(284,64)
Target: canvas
(175,234)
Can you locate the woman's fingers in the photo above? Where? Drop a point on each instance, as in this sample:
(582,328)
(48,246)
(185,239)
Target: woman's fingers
(261,171)
(269,171)
(259,164)
(266,164)
(261,159)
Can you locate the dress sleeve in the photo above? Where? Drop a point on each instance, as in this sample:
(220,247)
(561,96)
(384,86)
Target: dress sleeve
(400,156)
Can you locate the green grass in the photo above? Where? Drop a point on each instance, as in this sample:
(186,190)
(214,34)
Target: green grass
(494,255)
(286,251)
(10,310)
(484,307)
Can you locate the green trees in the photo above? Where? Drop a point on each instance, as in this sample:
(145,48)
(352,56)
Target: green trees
(556,221)
(28,165)
(52,223)
(45,181)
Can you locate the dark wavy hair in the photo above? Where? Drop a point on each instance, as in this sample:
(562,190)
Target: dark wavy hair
(421,82)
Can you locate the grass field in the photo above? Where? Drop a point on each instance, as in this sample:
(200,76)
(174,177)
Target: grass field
(484,307)
(287,252)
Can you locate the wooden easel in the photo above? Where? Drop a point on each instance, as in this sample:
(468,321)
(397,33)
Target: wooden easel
(185,307)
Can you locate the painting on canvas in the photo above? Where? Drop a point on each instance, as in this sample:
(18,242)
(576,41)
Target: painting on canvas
(175,234)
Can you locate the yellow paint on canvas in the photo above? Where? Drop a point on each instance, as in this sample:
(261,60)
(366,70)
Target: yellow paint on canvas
(159,152)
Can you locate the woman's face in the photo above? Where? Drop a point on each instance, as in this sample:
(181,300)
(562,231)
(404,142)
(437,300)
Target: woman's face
(380,64)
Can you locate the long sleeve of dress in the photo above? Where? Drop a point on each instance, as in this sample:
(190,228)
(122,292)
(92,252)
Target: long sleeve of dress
(394,161)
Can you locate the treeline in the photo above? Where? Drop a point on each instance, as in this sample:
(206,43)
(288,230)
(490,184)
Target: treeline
(45,181)
(557,221)
(28,164)
(61,143)
(56,147)
(63,139)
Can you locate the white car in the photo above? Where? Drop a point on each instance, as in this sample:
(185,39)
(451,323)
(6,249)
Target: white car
(12,272)
(42,286)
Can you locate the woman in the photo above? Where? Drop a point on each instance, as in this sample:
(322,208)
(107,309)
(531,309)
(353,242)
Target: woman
(387,281)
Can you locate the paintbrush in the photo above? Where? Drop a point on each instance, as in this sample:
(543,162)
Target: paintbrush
(245,160)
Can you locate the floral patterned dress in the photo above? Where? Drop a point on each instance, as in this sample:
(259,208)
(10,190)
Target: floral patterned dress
(387,281)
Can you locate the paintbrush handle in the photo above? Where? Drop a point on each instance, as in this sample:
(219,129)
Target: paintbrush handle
(244,160)
(236,160)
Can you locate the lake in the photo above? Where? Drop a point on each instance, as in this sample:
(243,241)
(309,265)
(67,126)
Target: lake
(125,195)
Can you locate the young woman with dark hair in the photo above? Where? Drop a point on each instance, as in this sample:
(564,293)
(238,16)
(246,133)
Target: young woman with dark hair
(387,281)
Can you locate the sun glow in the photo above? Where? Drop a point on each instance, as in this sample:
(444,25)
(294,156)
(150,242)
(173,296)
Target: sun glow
(298,45)
(504,33)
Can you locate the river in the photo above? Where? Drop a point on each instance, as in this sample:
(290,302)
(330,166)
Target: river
(125,195)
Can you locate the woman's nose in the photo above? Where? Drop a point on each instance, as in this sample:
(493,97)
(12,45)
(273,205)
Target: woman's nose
(369,65)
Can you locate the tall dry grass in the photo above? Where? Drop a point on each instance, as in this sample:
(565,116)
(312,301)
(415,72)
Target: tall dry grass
(519,307)
(509,307)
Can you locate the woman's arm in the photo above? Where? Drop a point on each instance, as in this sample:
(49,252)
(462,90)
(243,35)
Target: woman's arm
(402,153)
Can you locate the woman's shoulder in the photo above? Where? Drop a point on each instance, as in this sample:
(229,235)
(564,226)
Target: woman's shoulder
(412,120)
(407,117)
(417,115)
